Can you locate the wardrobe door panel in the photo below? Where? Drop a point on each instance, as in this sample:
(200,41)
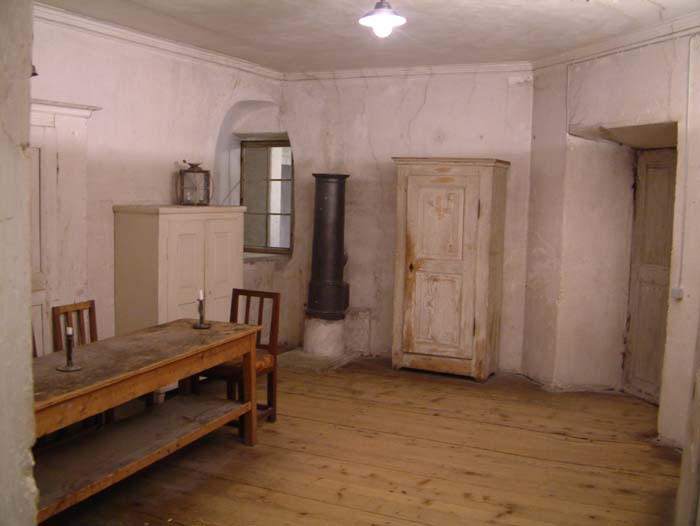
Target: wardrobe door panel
(186,241)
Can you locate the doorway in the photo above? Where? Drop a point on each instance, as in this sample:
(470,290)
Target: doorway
(652,234)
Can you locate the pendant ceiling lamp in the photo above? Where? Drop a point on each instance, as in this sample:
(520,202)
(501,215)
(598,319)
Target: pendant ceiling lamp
(382,19)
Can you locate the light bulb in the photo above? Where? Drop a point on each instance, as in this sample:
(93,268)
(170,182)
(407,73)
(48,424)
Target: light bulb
(382,31)
(382,19)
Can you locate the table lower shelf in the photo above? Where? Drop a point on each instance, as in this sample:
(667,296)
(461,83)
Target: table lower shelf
(69,472)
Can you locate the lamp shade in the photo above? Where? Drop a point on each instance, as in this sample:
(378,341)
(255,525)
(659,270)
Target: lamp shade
(382,19)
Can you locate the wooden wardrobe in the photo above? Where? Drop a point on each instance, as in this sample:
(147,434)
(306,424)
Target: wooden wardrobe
(449,264)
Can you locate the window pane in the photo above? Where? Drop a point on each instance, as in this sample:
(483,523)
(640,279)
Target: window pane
(286,171)
(266,180)
(255,232)
(255,195)
(280,231)
(281,197)
(255,164)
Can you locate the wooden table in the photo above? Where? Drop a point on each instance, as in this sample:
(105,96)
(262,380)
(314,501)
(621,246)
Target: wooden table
(120,369)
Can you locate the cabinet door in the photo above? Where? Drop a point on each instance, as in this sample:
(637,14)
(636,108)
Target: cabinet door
(223,265)
(185,267)
(441,235)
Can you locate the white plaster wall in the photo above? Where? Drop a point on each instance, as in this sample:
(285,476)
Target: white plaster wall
(647,84)
(578,248)
(279,273)
(545,223)
(17,489)
(157,109)
(355,125)
(595,264)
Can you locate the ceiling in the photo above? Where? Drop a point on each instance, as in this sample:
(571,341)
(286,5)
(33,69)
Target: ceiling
(316,35)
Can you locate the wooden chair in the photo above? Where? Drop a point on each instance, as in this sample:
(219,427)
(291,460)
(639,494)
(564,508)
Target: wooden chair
(68,313)
(64,316)
(266,355)
(35,353)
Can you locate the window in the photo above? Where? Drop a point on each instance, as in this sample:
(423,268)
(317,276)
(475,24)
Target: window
(268,193)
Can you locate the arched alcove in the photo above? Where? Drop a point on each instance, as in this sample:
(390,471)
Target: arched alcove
(247,119)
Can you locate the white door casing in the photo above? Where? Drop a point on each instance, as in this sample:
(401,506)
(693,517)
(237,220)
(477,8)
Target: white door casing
(220,268)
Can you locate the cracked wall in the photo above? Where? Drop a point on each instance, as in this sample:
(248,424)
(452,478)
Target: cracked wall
(157,109)
(355,125)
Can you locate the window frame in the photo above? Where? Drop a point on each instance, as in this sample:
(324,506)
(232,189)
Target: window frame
(269,143)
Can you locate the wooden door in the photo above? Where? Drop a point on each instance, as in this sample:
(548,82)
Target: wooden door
(186,239)
(649,277)
(43,214)
(220,267)
(441,236)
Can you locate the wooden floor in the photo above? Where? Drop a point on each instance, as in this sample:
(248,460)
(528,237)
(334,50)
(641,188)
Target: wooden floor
(366,445)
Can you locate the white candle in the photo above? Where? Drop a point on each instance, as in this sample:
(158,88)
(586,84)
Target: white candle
(201,294)
(69,331)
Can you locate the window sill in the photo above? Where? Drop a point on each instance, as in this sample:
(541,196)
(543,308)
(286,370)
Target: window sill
(254,257)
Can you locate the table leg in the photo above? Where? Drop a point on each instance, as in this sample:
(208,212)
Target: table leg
(250,419)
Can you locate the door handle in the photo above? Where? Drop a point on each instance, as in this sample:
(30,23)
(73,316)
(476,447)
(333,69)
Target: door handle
(410,267)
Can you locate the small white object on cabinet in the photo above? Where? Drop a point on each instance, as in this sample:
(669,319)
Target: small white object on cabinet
(164,255)
(449,264)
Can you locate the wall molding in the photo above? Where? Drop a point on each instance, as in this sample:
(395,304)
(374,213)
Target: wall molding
(674,28)
(43,112)
(60,17)
(412,71)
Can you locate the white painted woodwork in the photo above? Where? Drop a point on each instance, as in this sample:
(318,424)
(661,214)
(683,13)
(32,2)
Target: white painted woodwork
(185,267)
(220,269)
(165,254)
(58,211)
(449,264)
(650,270)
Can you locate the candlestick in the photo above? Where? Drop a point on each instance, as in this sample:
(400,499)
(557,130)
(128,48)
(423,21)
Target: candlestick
(201,324)
(70,366)
(201,295)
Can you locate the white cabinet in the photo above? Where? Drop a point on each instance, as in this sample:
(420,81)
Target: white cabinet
(165,254)
(449,262)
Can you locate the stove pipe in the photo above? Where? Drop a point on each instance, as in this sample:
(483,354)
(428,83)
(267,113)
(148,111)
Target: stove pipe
(328,293)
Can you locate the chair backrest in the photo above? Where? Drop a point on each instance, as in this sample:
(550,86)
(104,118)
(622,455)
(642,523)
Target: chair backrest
(69,314)
(35,353)
(266,314)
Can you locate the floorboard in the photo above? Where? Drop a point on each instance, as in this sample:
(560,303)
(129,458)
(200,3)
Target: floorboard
(367,445)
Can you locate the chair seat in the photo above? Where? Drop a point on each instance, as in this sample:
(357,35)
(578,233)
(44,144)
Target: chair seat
(264,361)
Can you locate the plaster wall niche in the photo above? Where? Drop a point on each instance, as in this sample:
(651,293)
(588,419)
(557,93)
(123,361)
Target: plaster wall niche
(246,119)
(610,97)
(256,119)
(659,83)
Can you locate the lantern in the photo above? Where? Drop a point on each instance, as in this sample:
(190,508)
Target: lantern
(193,185)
